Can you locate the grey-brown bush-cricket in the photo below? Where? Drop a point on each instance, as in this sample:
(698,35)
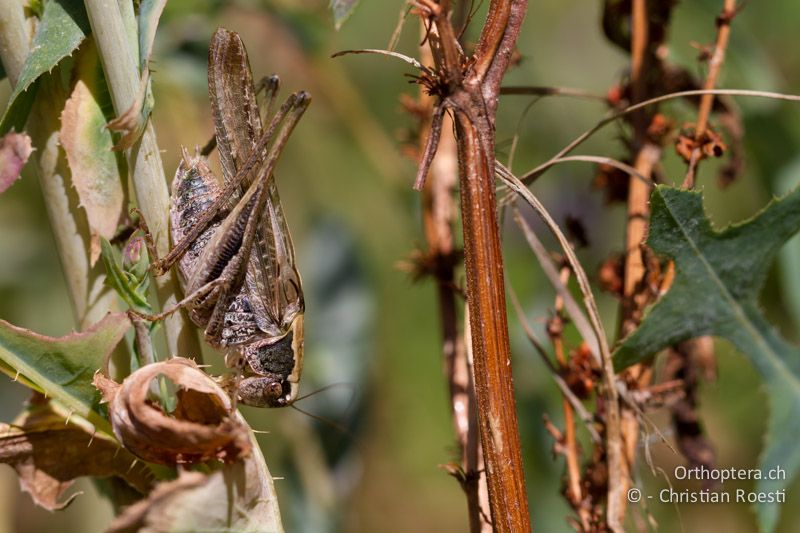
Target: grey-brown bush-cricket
(232,243)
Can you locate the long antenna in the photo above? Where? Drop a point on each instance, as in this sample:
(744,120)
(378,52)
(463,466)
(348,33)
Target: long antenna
(335,425)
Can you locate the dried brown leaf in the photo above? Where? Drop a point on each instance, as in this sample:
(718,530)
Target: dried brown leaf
(94,167)
(202,426)
(613,181)
(48,455)
(15,148)
(237,497)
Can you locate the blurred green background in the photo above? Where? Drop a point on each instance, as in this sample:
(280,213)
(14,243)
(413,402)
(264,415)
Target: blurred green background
(346,190)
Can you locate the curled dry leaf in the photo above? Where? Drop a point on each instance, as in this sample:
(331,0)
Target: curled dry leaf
(200,428)
(687,362)
(130,124)
(710,144)
(611,274)
(48,455)
(613,181)
(15,148)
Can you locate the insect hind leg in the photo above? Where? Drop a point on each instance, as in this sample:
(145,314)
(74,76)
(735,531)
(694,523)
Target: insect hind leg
(189,301)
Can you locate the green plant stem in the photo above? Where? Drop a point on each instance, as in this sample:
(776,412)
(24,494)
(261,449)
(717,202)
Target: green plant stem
(14,39)
(144,161)
(90,299)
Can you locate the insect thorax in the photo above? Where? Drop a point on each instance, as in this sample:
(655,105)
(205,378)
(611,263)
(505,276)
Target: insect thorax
(272,358)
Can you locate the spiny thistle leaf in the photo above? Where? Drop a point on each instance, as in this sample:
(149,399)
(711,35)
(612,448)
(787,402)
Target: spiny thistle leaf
(63,27)
(718,279)
(62,368)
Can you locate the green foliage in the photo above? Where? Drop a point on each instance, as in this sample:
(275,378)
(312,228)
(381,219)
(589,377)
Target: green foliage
(133,121)
(718,279)
(130,283)
(149,13)
(63,27)
(62,368)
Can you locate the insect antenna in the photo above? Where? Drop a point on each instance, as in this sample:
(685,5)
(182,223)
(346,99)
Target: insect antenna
(328,387)
(328,422)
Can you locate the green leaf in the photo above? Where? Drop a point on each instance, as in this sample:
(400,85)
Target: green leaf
(789,257)
(63,367)
(130,287)
(149,13)
(63,27)
(342,9)
(715,292)
(132,122)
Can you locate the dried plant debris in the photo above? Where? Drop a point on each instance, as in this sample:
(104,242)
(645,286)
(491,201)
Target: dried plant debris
(237,497)
(130,124)
(15,149)
(201,427)
(687,362)
(48,455)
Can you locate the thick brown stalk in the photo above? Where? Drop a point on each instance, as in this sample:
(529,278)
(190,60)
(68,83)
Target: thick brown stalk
(638,192)
(439,214)
(472,94)
(638,213)
(490,344)
(707,100)
(475,103)
(646,157)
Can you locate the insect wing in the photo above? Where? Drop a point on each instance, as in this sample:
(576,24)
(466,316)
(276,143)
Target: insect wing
(273,282)
(237,122)
(273,279)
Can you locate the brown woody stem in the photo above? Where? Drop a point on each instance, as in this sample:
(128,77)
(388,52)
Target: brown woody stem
(707,100)
(439,215)
(475,102)
(486,298)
